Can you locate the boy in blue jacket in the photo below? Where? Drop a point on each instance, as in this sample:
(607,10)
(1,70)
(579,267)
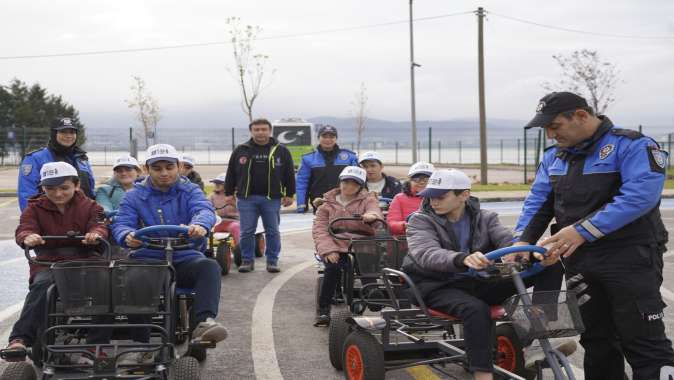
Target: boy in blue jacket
(166,198)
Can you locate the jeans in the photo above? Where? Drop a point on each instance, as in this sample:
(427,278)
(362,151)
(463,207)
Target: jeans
(250,209)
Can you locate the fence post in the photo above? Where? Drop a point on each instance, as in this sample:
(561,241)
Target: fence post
(105,154)
(669,149)
(439,152)
(232,139)
(209,154)
(518,152)
(430,135)
(396,153)
(524,155)
(640,128)
(501,151)
(460,153)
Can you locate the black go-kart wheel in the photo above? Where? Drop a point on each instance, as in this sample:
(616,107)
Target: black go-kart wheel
(186,368)
(339,330)
(260,244)
(223,256)
(198,353)
(363,357)
(509,350)
(236,252)
(18,371)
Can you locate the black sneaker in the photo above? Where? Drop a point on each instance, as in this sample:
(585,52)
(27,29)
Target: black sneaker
(273,268)
(322,318)
(247,266)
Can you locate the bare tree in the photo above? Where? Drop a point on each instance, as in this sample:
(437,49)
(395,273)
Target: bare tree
(584,73)
(360,113)
(147,109)
(249,68)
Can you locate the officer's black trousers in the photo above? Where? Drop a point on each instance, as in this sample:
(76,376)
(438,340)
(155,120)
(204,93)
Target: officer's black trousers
(624,316)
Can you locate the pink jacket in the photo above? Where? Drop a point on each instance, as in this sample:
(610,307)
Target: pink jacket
(331,209)
(225,210)
(401,207)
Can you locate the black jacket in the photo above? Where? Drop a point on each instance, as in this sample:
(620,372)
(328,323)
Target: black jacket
(391,187)
(195,178)
(280,172)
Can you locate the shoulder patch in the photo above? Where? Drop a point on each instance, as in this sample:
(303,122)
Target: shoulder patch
(26,169)
(343,156)
(605,151)
(629,133)
(657,159)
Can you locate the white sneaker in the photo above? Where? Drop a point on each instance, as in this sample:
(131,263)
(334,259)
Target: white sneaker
(210,330)
(134,358)
(535,353)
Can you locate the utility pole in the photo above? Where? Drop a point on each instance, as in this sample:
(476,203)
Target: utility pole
(413,65)
(483,116)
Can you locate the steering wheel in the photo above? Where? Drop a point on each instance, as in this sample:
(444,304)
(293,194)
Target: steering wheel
(335,233)
(497,254)
(162,242)
(73,237)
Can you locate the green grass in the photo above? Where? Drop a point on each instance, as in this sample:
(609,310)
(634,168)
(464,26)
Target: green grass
(501,187)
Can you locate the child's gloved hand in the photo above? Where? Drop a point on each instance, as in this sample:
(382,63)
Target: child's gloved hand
(131,241)
(33,240)
(476,260)
(332,257)
(369,217)
(195,230)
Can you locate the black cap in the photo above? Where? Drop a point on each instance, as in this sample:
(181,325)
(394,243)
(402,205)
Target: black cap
(61,123)
(327,129)
(552,105)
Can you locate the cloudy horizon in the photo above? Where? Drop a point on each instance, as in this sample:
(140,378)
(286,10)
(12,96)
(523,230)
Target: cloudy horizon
(318,74)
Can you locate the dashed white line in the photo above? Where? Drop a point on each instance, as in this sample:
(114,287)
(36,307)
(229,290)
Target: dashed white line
(265,362)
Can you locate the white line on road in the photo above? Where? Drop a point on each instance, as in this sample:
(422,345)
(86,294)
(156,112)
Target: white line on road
(12,261)
(10,310)
(265,362)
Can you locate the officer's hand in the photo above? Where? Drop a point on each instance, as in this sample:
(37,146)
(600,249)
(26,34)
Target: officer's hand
(301,210)
(476,260)
(33,240)
(195,230)
(564,243)
(91,238)
(317,202)
(287,201)
(370,217)
(131,241)
(332,257)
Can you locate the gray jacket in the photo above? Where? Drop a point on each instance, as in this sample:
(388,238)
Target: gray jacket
(433,247)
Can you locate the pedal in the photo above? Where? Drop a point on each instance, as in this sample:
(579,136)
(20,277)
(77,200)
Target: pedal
(13,354)
(202,344)
(104,365)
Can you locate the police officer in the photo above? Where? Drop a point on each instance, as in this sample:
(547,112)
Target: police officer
(602,185)
(319,170)
(61,147)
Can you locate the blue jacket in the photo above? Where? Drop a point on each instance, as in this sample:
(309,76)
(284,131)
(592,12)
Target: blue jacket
(29,173)
(109,195)
(145,206)
(608,188)
(316,175)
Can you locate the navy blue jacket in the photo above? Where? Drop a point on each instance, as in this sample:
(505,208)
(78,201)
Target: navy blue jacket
(29,173)
(316,175)
(609,189)
(145,206)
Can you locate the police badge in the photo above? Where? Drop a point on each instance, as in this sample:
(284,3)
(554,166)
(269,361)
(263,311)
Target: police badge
(26,169)
(343,156)
(658,159)
(605,151)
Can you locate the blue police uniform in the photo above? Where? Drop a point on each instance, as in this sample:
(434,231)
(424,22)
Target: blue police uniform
(29,173)
(608,188)
(319,172)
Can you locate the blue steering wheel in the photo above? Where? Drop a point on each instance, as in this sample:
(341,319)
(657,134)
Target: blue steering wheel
(144,236)
(497,254)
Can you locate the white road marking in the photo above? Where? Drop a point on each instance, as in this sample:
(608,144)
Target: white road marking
(10,311)
(12,261)
(265,362)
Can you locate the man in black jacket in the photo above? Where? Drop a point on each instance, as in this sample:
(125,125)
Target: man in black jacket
(262,176)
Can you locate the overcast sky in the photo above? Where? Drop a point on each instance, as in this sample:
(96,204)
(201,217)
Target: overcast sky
(320,74)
